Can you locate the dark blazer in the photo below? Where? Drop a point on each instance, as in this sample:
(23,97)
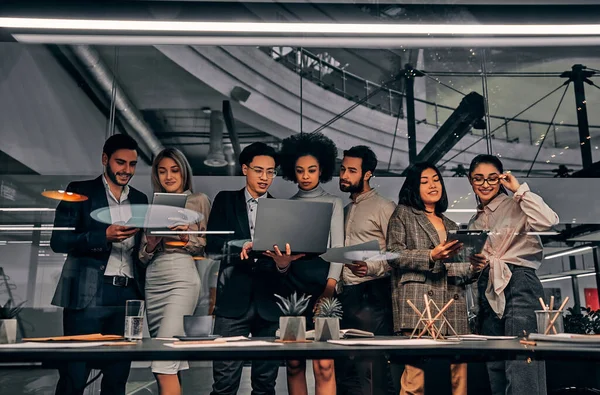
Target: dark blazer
(240,282)
(81,280)
(413,236)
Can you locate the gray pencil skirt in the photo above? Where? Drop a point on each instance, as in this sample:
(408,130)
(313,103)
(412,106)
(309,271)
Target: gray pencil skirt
(172,291)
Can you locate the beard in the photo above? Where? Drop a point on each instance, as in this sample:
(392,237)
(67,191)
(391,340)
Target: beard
(352,188)
(113,176)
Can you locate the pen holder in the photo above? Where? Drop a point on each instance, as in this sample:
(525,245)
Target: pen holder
(545,324)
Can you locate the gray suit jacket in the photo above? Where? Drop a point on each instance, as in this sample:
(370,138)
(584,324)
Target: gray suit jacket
(413,236)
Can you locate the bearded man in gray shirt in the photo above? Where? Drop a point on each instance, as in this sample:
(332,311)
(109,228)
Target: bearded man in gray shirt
(366,295)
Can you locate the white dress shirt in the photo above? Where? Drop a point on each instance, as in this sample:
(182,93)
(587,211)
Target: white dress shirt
(251,207)
(120,262)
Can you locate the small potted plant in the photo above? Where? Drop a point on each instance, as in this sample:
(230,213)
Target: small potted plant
(292,325)
(327,320)
(8,322)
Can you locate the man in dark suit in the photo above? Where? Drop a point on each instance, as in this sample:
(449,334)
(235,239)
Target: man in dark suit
(245,302)
(101,270)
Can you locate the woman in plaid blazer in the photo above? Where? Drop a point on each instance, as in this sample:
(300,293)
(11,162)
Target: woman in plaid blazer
(417,232)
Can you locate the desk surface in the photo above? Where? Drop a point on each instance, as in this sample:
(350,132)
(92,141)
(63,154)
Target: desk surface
(465,351)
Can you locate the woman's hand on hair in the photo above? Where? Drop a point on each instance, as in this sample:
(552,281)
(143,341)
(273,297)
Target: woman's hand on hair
(509,182)
(445,250)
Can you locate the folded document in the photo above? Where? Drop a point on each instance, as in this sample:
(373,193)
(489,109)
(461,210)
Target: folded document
(344,334)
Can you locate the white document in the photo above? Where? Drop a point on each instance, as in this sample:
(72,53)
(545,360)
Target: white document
(566,338)
(341,254)
(399,342)
(482,337)
(54,345)
(232,339)
(210,344)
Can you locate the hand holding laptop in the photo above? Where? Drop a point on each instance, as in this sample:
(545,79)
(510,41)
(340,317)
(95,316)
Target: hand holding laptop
(282,260)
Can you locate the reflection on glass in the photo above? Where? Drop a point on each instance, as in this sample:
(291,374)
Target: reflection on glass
(64,196)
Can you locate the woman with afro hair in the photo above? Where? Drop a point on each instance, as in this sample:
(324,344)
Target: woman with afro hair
(309,160)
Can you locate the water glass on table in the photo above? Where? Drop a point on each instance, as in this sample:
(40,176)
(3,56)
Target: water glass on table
(134,319)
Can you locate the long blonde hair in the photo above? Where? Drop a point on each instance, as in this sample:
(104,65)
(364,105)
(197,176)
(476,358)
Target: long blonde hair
(182,163)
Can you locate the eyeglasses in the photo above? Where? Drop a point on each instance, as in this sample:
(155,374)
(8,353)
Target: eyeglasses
(479,181)
(259,172)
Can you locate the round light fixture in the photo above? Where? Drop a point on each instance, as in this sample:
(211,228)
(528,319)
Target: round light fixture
(64,196)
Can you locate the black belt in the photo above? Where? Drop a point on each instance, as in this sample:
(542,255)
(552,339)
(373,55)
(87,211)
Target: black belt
(118,281)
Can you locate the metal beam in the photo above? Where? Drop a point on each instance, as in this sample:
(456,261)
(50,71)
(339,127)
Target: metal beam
(579,74)
(471,109)
(409,85)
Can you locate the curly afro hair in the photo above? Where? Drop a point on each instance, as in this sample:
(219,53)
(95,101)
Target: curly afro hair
(314,144)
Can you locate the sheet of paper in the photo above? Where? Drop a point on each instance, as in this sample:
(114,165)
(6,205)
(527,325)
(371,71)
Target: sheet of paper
(401,342)
(91,337)
(212,343)
(233,338)
(482,337)
(565,337)
(53,345)
(339,254)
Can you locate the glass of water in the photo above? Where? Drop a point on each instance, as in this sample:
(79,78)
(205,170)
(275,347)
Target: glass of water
(134,319)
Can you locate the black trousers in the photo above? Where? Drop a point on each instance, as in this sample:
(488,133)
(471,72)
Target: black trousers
(106,317)
(227,374)
(368,307)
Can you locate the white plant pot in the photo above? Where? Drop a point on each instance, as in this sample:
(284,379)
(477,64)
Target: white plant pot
(327,328)
(292,328)
(8,331)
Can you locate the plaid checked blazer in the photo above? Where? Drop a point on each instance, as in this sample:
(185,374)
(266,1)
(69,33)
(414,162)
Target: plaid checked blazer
(413,236)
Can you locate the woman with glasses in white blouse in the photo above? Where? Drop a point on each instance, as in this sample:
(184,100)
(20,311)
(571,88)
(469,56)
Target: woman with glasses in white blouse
(509,289)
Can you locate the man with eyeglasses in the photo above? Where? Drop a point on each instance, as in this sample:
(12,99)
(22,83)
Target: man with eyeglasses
(245,302)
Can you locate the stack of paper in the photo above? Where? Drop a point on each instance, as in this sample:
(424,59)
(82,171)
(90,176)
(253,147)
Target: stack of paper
(566,338)
(94,337)
(481,337)
(391,342)
(220,343)
(40,345)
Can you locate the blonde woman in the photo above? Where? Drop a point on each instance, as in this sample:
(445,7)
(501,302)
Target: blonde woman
(172,281)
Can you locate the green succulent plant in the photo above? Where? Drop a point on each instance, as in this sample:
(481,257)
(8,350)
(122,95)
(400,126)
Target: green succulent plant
(294,305)
(329,308)
(8,311)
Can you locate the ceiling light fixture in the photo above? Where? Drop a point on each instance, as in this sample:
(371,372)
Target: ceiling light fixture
(570,251)
(358,40)
(28,228)
(302,28)
(25,209)
(586,275)
(547,280)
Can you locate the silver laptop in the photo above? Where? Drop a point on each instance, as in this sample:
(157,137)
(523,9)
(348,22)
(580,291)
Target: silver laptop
(304,225)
